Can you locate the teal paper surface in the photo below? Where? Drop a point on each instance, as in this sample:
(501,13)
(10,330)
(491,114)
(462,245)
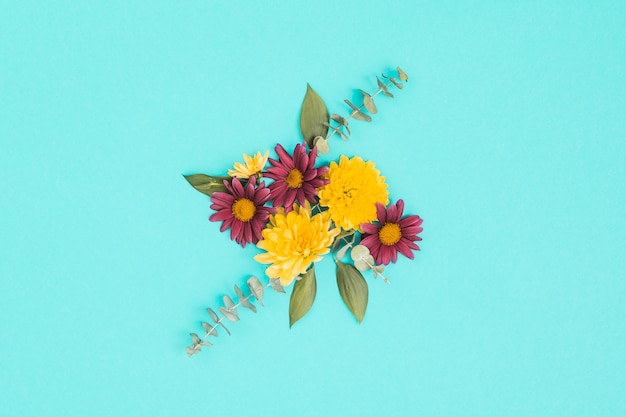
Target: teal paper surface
(509,140)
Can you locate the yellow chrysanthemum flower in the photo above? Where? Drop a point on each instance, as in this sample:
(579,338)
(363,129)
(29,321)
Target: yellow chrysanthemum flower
(294,241)
(251,166)
(354,189)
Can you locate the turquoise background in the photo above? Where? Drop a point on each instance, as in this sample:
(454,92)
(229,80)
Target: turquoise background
(509,140)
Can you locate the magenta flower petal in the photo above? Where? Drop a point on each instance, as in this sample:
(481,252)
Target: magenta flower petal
(411,220)
(369,228)
(381,213)
(391,233)
(242,210)
(284,158)
(392,214)
(404,249)
(295,178)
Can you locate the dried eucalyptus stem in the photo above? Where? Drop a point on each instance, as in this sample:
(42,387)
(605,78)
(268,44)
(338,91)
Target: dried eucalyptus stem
(229,311)
(357,111)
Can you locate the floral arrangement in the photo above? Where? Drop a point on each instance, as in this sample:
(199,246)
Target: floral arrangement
(297,212)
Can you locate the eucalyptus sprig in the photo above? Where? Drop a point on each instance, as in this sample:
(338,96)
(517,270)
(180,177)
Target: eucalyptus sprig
(229,312)
(314,112)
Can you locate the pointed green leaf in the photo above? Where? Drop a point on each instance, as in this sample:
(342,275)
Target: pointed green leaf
(302,296)
(313,116)
(207,184)
(353,289)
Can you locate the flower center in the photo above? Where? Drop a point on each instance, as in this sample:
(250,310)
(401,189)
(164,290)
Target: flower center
(389,234)
(244,209)
(294,179)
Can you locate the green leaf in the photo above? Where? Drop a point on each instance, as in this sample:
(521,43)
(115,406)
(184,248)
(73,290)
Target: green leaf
(313,116)
(207,184)
(353,289)
(302,296)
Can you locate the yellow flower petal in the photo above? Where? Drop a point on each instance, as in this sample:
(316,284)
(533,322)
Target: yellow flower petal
(250,167)
(293,241)
(354,189)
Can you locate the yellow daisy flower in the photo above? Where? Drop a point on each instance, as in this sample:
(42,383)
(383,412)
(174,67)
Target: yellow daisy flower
(294,241)
(354,189)
(251,166)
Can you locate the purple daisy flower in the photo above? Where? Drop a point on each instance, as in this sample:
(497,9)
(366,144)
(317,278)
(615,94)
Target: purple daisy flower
(295,178)
(391,234)
(242,210)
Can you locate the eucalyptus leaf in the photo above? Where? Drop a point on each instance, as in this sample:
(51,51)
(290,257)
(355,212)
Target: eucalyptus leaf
(210,330)
(340,238)
(349,103)
(321,144)
(357,114)
(337,118)
(275,283)
(312,116)
(338,131)
(257,288)
(362,259)
(213,315)
(378,269)
(368,102)
(396,83)
(191,351)
(195,338)
(359,252)
(225,328)
(244,301)
(383,88)
(302,296)
(207,184)
(364,263)
(402,75)
(238,293)
(230,315)
(229,303)
(361,116)
(342,252)
(353,289)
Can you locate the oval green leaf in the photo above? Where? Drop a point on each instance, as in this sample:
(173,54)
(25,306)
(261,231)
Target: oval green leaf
(313,116)
(207,184)
(353,289)
(302,296)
